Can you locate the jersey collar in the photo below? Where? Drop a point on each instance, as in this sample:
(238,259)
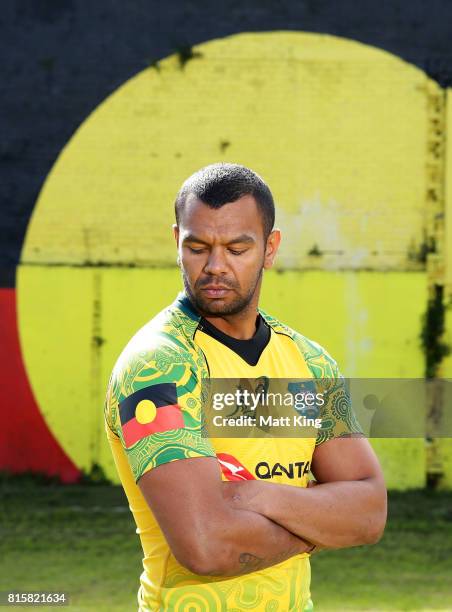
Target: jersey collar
(183,303)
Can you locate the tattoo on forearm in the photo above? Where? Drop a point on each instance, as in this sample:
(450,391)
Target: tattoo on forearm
(252,563)
(249,562)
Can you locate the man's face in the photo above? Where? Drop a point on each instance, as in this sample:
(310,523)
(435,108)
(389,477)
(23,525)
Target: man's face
(222,253)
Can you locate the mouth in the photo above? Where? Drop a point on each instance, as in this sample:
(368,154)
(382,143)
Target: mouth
(215,291)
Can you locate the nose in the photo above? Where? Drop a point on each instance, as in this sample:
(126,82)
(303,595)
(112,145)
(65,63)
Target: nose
(216,262)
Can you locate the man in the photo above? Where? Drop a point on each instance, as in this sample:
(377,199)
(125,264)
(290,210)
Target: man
(219,532)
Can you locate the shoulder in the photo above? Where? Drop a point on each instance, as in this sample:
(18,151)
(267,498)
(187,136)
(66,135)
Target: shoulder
(337,416)
(318,359)
(161,351)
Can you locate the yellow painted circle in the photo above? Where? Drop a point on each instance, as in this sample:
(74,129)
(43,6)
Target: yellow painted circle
(145,412)
(322,119)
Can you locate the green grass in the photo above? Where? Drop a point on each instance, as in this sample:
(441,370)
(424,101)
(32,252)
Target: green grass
(409,569)
(81,539)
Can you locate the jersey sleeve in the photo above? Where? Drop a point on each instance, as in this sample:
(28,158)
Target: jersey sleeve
(154,404)
(337,415)
(338,419)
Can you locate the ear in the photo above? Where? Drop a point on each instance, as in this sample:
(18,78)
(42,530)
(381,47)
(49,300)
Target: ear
(176,233)
(271,248)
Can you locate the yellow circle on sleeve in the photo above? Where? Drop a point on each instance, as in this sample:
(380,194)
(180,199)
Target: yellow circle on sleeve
(146,411)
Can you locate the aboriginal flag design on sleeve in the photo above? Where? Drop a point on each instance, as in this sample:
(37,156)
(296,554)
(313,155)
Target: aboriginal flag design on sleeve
(150,410)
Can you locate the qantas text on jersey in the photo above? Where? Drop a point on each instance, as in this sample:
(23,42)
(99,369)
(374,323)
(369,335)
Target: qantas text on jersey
(233,469)
(291,470)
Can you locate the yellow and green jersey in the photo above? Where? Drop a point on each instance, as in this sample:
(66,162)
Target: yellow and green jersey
(154,415)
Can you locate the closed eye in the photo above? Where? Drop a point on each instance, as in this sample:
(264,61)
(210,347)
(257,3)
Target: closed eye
(235,252)
(197,251)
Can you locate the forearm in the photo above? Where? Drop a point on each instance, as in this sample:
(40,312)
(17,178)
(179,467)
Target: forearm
(214,537)
(331,515)
(247,541)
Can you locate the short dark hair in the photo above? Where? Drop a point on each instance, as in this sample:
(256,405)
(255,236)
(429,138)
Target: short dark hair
(218,184)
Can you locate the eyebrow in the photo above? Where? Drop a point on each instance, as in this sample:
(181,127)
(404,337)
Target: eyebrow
(243,238)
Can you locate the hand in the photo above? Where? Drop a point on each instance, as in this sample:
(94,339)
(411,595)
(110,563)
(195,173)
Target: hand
(244,495)
(311,483)
(231,493)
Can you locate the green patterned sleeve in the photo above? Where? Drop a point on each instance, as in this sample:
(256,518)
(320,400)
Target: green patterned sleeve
(337,415)
(154,405)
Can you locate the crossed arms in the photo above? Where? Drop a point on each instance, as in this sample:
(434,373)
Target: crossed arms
(231,528)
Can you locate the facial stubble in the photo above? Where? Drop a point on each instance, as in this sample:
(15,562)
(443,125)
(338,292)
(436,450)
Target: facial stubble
(216,307)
